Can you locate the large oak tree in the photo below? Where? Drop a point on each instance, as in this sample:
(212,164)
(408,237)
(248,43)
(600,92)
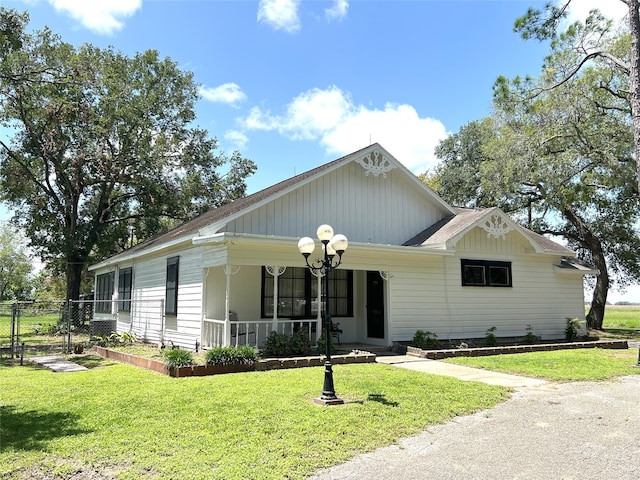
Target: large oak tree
(561,158)
(590,43)
(102,150)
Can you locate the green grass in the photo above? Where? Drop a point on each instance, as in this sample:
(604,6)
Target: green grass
(560,365)
(137,424)
(621,322)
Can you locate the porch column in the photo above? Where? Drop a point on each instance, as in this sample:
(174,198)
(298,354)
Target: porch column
(228,271)
(275,271)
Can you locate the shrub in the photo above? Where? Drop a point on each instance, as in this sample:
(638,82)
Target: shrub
(114,339)
(281,345)
(243,355)
(276,345)
(529,338)
(490,339)
(571,330)
(322,345)
(299,343)
(175,357)
(425,340)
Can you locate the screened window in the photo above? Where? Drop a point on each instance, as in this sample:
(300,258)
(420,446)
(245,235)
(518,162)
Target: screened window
(298,294)
(104,292)
(486,273)
(171,295)
(125,278)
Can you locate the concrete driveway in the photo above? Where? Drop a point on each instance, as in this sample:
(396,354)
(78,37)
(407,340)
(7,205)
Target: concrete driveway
(545,431)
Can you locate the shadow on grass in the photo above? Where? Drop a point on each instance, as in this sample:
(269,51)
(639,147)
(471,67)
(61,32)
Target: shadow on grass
(380,398)
(31,430)
(620,333)
(91,361)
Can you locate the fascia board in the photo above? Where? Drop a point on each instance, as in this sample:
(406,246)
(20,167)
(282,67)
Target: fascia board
(144,252)
(370,247)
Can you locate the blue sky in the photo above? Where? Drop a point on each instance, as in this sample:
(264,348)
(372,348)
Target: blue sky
(293,84)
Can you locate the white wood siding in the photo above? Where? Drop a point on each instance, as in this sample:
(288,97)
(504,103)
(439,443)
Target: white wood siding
(365,208)
(431,296)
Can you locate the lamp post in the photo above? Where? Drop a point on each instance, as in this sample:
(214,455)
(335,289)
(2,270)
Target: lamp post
(332,245)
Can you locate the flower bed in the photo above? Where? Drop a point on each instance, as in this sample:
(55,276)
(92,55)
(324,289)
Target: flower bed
(501,350)
(260,365)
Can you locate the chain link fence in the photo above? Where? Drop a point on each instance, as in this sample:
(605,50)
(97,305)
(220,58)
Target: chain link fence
(48,327)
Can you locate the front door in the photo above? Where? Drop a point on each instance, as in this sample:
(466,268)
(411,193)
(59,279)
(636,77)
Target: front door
(375,305)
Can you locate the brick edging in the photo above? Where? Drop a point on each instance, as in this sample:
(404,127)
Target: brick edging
(502,350)
(260,365)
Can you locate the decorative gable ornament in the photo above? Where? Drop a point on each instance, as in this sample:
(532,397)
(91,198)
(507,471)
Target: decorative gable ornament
(375,162)
(496,227)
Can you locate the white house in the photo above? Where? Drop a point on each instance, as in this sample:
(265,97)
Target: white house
(413,262)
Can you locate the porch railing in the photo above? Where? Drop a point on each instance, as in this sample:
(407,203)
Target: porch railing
(253,333)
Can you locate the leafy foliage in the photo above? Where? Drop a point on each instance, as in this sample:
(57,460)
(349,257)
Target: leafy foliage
(243,355)
(176,357)
(104,153)
(571,330)
(490,339)
(16,266)
(558,154)
(281,345)
(425,340)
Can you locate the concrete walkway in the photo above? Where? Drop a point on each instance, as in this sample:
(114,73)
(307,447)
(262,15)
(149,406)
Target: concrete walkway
(55,363)
(458,371)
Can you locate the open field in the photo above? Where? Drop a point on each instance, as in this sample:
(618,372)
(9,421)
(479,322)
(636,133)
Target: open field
(621,322)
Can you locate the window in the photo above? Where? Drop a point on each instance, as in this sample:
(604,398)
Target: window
(104,292)
(486,273)
(298,293)
(171,299)
(124,289)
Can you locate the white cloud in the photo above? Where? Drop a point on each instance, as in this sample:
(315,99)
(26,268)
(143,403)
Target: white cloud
(338,10)
(331,117)
(280,14)
(579,9)
(229,93)
(237,138)
(101,16)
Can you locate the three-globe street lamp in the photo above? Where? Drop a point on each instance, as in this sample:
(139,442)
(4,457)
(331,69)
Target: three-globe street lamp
(332,245)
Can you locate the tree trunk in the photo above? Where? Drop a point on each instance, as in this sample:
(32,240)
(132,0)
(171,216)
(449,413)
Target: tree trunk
(595,317)
(634,73)
(74,277)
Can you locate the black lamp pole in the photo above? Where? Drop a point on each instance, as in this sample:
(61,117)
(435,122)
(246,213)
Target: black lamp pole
(331,246)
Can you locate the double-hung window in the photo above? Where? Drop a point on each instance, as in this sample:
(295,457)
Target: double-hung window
(171,294)
(486,273)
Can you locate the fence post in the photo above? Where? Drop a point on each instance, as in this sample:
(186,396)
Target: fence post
(12,348)
(69,314)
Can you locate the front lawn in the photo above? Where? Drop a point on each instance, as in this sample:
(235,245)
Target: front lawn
(592,364)
(131,423)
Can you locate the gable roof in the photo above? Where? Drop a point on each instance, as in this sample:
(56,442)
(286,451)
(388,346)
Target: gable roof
(448,230)
(217,217)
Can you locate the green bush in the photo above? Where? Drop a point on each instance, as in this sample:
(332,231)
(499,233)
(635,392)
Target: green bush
(175,357)
(571,330)
(243,355)
(322,345)
(276,345)
(425,340)
(529,337)
(114,339)
(281,345)
(490,339)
